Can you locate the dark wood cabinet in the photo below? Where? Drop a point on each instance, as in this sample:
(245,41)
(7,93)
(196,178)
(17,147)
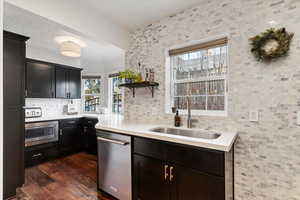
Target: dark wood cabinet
(40,79)
(169,171)
(74,84)
(149,179)
(70,136)
(13,114)
(50,80)
(192,184)
(68,83)
(61,82)
(41,153)
(89,135)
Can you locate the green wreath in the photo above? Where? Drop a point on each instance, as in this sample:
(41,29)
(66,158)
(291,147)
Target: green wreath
(271,44)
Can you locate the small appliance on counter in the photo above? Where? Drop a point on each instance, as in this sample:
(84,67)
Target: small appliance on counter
(72,109)
(33,112)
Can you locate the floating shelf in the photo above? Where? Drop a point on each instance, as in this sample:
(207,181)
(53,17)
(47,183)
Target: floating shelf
(144,84)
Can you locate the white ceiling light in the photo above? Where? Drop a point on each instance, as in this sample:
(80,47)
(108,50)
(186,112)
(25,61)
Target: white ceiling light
(70,49)
(70,46)
(61,39)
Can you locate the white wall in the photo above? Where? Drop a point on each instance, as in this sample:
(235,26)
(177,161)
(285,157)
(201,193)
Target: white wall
(78,17)
(1,99)
(50,56)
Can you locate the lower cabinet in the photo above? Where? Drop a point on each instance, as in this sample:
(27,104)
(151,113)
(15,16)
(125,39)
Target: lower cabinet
(149,179)
(89,135)
(42,153)
(70,136)
(170,175)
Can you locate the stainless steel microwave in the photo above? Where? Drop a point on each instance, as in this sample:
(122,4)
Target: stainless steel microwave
(40,133)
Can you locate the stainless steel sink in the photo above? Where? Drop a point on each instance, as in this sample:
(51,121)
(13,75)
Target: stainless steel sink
(186,133)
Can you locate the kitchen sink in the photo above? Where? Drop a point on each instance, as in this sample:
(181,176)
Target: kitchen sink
(186,133)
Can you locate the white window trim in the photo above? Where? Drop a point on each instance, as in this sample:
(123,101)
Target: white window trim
(168,96)
(84,95)
(110,95)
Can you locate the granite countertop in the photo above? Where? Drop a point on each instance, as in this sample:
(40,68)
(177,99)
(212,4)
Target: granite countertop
(59,117)
(118,125)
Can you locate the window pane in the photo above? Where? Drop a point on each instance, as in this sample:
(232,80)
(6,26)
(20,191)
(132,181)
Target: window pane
(201,75)
(91,103)
(92,86)
(215,103)
(116,96)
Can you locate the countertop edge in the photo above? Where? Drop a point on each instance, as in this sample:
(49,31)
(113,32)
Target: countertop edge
(218,147)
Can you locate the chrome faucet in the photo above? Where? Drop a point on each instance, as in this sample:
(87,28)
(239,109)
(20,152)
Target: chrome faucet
(188,104)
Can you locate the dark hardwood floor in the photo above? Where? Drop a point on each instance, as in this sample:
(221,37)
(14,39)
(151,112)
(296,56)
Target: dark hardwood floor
(70,178)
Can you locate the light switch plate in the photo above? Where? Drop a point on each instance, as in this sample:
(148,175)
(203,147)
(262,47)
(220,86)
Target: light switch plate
(253,116)
(298,117)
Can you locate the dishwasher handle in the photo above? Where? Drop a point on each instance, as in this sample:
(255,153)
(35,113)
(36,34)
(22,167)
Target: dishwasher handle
(113,141)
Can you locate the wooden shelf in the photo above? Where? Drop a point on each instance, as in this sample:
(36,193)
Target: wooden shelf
(144,84)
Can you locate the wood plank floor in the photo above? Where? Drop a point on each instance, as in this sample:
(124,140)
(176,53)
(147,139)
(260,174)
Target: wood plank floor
(70,178)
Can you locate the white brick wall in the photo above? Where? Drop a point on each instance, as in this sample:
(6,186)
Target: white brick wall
(267,156)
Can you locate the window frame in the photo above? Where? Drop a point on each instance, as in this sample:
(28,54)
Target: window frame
(83,95)
(168,80)
(110,96)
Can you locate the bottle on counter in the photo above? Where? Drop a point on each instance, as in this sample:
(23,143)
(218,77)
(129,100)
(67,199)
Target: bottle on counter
(177,120)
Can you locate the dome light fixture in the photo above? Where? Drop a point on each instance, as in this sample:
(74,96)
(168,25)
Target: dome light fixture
(70,49)
(70,46)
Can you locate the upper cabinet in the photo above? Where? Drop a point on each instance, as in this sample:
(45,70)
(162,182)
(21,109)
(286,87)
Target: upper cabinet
(40,79)
(68,83)
(49,80)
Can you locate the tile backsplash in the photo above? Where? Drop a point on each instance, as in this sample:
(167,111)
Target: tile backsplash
(52,107)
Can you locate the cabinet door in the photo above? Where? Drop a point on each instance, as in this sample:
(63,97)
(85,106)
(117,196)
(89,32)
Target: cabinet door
(74,84)
(39,80)
(149,179)
(13,114)
(193,185)
(69,141)
(61,82)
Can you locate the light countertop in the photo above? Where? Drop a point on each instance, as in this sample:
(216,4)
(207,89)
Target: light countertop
(59,117)
(118,125)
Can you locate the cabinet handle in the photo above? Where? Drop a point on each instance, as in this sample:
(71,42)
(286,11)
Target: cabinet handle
(171,173)
(166,172)
(36,155)
(60,132)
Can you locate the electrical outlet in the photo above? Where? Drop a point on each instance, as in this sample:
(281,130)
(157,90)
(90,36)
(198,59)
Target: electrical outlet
(298,117)
(253,116)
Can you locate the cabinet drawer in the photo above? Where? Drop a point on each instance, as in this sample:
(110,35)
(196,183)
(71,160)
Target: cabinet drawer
(148,147)
(34,157)
(69,123)
(204,160)
(38,156)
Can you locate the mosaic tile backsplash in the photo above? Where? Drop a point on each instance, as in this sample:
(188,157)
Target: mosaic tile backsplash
(52,107)
(267,153)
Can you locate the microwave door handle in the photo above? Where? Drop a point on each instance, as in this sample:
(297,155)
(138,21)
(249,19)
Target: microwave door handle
(113,141)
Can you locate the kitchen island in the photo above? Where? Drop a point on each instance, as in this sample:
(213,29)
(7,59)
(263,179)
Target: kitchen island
(166,165)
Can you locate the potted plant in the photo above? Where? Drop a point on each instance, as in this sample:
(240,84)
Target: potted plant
(128,75)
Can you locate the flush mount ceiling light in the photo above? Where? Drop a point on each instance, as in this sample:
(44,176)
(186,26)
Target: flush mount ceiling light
(70,46)
(70,49)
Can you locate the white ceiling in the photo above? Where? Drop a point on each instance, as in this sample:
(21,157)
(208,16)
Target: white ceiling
(132,14)
(43,31)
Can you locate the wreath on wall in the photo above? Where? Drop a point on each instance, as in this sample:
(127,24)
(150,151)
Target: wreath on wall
(271,44)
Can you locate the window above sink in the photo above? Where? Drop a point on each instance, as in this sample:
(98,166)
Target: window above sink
(199,71)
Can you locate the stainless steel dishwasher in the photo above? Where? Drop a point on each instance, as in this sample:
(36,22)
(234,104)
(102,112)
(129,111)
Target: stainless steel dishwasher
(114,164)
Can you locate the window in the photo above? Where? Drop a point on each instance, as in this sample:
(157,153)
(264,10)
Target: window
(199,71)
(115,94)
(91,93)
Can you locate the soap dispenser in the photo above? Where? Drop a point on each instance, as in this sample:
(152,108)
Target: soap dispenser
(177,119)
